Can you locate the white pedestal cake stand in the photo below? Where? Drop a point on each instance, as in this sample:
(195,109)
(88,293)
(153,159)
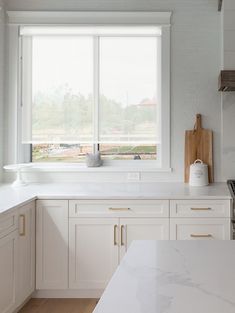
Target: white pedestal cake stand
(17,168)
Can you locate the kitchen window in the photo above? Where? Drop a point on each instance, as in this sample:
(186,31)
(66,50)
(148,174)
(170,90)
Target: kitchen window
(95,88)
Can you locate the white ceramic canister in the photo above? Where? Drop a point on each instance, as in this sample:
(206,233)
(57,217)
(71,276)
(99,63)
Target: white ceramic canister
(198,175)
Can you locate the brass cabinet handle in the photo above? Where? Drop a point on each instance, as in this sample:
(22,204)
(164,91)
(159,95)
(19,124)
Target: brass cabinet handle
(122,241)
(115,235)
(200,209)
(119,209)
(201,236)
(23,232)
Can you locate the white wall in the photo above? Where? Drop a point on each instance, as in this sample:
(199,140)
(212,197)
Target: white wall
(2,30)
(196,62)
(228,98)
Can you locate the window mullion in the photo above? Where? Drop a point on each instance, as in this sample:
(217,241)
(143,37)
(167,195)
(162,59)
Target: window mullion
(96,92)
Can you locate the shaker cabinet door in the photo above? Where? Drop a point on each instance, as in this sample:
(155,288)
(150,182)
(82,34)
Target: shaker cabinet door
(93,252)
(142,229)
(8,272)
(26,244)
(52,244)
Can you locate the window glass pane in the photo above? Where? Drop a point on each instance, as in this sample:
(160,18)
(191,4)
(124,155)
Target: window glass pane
(76,94)
(60,153)
(128,152)
(128,89)
(62,89)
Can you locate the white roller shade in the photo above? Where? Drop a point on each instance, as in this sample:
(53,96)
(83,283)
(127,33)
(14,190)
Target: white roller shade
(90,30)
(91,84)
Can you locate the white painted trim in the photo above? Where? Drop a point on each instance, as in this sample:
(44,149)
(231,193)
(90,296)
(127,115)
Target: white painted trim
(11,97)
(165,101)
(96,91)
(73,167)
(85,17)
(23,304)
(68,293)
(131,18)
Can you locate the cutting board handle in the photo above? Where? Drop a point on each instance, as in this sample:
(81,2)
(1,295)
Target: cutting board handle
(198,123)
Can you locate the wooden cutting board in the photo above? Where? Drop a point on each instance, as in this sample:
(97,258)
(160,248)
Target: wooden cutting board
(199,145)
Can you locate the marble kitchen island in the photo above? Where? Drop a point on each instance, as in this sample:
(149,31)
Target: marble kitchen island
(173,277)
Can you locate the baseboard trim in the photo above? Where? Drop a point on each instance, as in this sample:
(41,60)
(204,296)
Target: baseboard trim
(66,293)
(22,304)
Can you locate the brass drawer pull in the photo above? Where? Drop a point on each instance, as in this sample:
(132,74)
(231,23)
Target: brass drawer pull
(22,233)
(201,236)
(200,209)
(119,209)
(122,241)
(115,235)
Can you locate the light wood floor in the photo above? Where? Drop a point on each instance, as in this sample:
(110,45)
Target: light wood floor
(59,306)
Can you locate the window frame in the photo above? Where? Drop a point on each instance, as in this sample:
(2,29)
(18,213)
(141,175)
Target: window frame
(161,19)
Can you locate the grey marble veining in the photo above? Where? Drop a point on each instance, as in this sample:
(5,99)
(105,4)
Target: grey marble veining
(173,277)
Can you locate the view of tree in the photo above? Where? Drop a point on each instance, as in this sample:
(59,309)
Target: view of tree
(63,113)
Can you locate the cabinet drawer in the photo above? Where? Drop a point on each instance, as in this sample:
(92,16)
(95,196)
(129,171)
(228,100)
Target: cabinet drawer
(200,229)
(200,208)
(119,208)
(8,223)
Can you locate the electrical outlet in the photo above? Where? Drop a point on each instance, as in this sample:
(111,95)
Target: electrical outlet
(133,176)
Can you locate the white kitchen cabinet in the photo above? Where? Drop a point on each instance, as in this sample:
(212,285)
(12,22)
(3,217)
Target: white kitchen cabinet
(119,208)
(93,256)
(93,252)
(200,219)
(100,231)
(200,228)
(142,229)
(200,208)
(26,252)
(52,244)
(8,222)
(8,272)
(17,257)
(97,244)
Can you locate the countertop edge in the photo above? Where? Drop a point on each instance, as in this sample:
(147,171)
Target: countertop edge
(12,198)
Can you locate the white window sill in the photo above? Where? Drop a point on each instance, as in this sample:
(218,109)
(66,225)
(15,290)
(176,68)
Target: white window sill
(73,167)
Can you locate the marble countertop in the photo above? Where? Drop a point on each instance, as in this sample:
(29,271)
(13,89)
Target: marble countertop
(11,197)
(173,277)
